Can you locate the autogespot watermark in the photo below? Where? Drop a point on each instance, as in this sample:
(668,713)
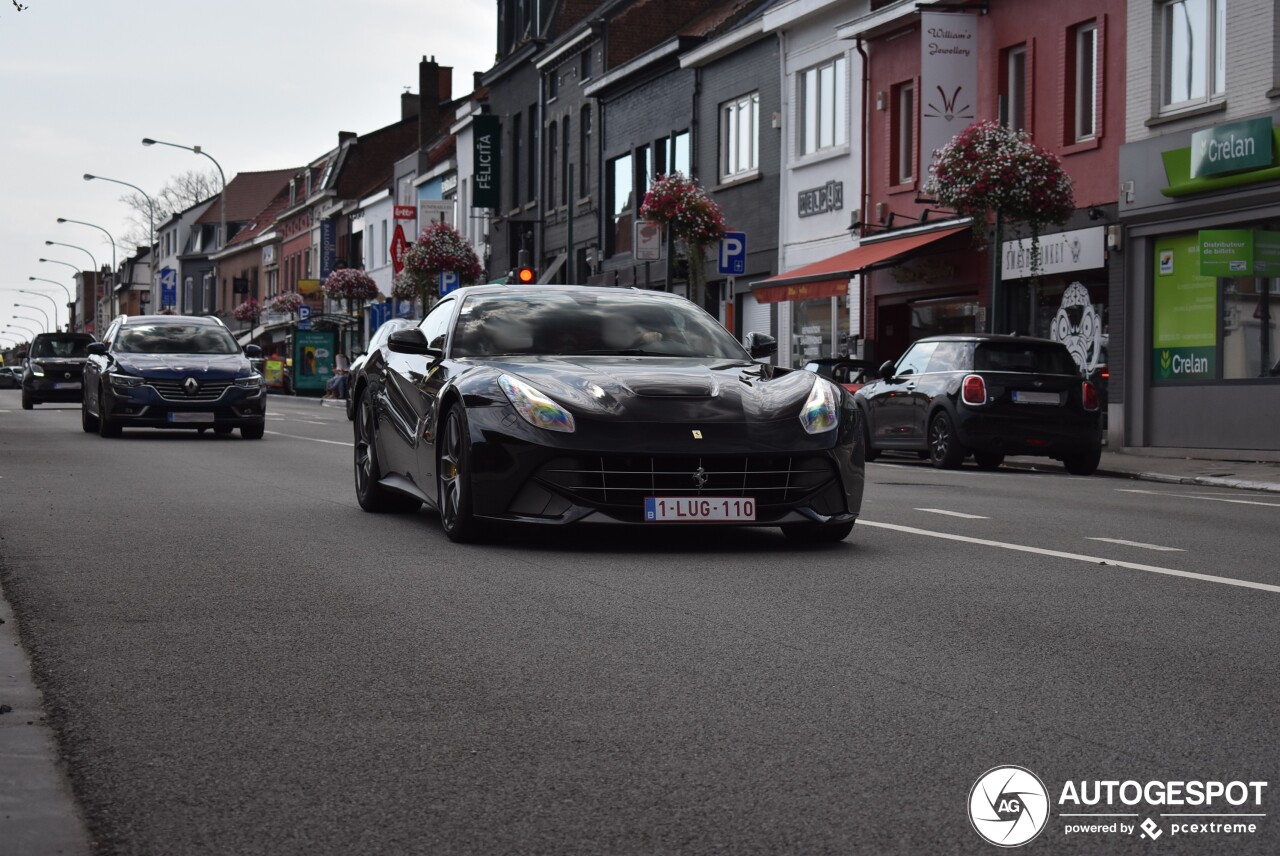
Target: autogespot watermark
(1009,806)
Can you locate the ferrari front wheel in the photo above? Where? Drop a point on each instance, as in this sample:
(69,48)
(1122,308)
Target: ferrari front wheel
(453,476)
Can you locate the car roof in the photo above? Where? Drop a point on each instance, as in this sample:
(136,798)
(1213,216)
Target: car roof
(987,337)
(502,288)
(206,320)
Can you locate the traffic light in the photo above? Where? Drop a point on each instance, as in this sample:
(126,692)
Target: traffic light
(523,275)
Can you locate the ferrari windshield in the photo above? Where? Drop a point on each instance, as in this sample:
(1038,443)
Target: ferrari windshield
(586,322)
(170,338)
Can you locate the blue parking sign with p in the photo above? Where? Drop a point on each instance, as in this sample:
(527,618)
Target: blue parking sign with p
(448,281)
(733,254)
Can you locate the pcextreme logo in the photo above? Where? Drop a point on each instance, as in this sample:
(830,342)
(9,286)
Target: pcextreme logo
(1009,806)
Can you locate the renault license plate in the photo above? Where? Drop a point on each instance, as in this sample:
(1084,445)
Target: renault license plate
(699,509)
(196,416)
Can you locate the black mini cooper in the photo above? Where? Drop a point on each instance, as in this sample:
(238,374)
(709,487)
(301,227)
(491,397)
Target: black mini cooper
(989,396)
(172,371)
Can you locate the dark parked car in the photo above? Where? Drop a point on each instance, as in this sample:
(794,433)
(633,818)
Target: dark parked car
(989,396)
(54,366)
(568,404)
(850,373)
(10,377)
(377,342)
(172,371)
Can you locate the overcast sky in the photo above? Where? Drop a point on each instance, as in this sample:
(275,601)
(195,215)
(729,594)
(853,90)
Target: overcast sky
(258,84)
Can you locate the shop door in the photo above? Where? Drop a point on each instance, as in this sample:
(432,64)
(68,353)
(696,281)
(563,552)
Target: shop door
(893,331)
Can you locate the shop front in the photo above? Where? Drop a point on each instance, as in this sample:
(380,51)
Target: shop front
(1203,265)
(826,300)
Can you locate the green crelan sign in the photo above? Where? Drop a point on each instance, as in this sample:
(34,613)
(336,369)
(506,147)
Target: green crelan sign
(1184,313)
(1231,148)
(1239,252)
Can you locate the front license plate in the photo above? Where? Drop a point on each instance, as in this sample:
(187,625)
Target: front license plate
(1021,397)
(699,509)
(194,416)
(72,385)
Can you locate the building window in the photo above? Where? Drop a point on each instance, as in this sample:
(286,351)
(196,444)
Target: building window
(516,137)
(679,158)
(903,130)
(584,71)
(1195,57)
(553,162)
(740,136)
(531,155)
(1015,87)
(1085,57)
(584,150)
(620,203)
(824,106)
(566,188)
(643,172)
(385,243)
(553,85)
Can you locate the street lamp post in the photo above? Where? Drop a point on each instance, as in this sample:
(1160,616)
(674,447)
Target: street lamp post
(47,323)
(151,234)
(222,194)
(112,286)
(46,297)
(71,303)
(43,328)
(96,274)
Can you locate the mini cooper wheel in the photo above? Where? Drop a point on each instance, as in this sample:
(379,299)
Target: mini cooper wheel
(988,460)
(945,450)
(1083,463)
(371,495)
(817,533)
(454,477)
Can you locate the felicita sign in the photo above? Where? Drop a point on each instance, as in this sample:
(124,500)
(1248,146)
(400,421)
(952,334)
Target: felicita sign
(486,142)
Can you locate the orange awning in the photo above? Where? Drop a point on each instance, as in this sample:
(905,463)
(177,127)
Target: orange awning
(830,277)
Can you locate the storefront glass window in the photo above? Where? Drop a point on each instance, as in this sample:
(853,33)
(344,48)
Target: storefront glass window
(811,330)
(945,315)
(1250,344)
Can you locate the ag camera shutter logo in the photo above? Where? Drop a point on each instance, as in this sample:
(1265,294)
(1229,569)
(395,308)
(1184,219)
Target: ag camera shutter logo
(1008,806)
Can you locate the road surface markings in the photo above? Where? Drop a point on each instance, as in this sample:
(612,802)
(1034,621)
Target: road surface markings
(1125,543)
(954,513)
(1079,557)
(1203,498)
(312,439)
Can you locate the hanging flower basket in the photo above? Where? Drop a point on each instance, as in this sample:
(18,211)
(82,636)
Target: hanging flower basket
(439,248)
(247,311)
(288,301)
(680,205)
(987,168)
(350,284)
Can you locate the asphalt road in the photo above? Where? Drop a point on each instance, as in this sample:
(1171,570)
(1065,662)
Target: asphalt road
(239,661)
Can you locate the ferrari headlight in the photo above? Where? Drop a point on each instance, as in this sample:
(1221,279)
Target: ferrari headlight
(124,381)
(253,381)
(37,369)
(821,412)
(536,409)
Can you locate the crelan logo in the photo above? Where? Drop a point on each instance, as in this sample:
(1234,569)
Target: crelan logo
(1166,360)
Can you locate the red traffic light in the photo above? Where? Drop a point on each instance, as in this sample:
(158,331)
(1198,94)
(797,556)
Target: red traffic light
(523,275)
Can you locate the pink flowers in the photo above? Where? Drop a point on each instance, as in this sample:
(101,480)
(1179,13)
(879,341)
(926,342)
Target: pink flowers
(682,206)
(350,284)
(439,248)
(987,167)
(247,311)
(287,301)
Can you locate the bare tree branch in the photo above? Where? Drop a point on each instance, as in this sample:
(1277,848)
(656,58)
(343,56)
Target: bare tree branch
(179,194)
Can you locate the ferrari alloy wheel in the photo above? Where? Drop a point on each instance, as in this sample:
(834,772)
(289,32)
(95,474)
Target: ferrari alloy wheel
(107,427)
(454,477)
(944,449)
(371,495)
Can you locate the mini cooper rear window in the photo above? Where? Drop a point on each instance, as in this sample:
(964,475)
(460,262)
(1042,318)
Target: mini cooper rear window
(1029,358)
(53,346)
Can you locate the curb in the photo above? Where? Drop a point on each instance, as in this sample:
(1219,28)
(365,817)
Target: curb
(1164,478)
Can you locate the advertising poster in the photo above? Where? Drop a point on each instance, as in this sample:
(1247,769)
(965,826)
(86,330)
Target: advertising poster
(1184,325)
(273,373)
(313,355)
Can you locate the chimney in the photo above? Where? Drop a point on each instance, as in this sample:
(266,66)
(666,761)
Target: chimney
(409,105)
(429,102)
(345,137)
(476,76)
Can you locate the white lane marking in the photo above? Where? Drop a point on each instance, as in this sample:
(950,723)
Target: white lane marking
(1079,557)
(954,513)
(1125,543)
(1197,496)
(312,439)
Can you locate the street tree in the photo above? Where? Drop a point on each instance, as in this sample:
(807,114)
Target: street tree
(179,193)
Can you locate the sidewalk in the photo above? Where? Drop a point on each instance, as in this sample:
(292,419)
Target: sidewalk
(1205,467)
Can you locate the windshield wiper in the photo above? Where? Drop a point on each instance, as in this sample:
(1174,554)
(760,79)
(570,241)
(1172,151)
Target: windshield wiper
(619,352)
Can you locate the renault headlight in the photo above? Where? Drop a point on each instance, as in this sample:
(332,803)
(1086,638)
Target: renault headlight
(821,411)
(124,381)
(536,409)
(253,381)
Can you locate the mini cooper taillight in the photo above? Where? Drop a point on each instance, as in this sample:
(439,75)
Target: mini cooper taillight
(973,390)
(1089,395)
